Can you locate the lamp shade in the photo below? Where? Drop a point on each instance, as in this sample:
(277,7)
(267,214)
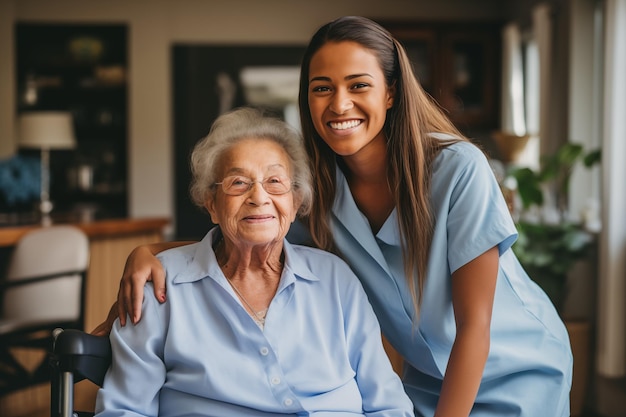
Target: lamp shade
(46,130)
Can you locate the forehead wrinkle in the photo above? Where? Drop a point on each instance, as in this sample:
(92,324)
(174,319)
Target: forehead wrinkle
(243,171)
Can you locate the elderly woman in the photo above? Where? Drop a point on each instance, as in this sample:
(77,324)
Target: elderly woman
(253,326)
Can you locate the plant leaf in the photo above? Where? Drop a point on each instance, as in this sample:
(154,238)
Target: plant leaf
(592,158)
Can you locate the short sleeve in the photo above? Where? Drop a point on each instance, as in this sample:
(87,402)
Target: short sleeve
(478,217)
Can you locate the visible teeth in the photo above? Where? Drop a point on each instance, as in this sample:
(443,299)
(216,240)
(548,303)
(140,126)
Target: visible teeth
(345,125)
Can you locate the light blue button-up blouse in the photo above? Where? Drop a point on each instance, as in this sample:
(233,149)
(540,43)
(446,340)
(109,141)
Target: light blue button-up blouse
(201,354)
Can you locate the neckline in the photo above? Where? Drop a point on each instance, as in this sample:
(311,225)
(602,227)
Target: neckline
(257,316)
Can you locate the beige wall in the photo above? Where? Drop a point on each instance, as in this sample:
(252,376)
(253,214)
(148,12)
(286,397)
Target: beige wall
(156,24)
(7,98)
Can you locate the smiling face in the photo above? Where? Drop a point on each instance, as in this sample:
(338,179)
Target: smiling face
(255,217)
(348,97)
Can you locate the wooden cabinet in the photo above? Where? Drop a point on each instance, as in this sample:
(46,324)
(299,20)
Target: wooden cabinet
(81,69)
(458,64)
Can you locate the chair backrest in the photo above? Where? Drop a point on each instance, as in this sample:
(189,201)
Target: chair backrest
(51,262)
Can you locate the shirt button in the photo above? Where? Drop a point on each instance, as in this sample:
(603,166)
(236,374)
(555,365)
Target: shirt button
(275,380)
(288,402)
(264,351)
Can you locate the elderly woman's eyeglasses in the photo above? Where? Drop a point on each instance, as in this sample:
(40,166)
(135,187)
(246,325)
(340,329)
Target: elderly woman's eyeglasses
(237,185)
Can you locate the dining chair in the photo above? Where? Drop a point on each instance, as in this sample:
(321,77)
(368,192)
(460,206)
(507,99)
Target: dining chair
(43,289)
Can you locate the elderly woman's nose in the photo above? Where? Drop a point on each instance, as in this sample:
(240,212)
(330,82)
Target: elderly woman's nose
(257,194)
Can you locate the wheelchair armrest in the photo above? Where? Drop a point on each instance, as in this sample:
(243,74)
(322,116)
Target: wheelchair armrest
(85,355)
(77,342)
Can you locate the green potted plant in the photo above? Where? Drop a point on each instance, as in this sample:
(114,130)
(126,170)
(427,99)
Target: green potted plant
(549,251)
(549,243)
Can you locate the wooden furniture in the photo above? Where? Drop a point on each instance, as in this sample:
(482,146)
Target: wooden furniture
(110,243)
(458,64)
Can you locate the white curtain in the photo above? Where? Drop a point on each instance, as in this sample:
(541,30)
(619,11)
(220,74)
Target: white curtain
(542,33)
(520,92)
(513,115)
(611,342)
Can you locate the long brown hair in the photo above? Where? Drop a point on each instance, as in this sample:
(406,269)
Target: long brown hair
(411,147)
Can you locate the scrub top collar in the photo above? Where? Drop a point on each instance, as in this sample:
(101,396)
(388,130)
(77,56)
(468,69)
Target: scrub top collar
(355,223)
(389,232)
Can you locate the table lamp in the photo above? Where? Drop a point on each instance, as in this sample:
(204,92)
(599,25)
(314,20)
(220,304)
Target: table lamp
(46,130)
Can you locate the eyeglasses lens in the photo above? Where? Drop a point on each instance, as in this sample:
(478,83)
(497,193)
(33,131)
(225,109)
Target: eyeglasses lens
(240,185)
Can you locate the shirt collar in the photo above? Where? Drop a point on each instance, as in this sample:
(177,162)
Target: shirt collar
(203,263)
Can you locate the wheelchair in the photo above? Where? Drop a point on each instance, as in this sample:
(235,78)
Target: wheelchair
(75,356)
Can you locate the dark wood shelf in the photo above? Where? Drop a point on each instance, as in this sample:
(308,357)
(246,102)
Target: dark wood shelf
(80,68)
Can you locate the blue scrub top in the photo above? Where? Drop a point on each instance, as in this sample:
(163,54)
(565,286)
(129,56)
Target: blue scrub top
(529,368)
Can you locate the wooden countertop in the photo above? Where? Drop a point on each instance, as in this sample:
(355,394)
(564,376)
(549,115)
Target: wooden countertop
(9,235)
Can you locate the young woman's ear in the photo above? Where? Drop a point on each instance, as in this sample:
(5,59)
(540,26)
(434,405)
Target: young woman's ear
(391,94)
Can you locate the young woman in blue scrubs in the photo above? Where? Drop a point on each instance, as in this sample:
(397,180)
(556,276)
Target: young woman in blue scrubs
(415,210)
